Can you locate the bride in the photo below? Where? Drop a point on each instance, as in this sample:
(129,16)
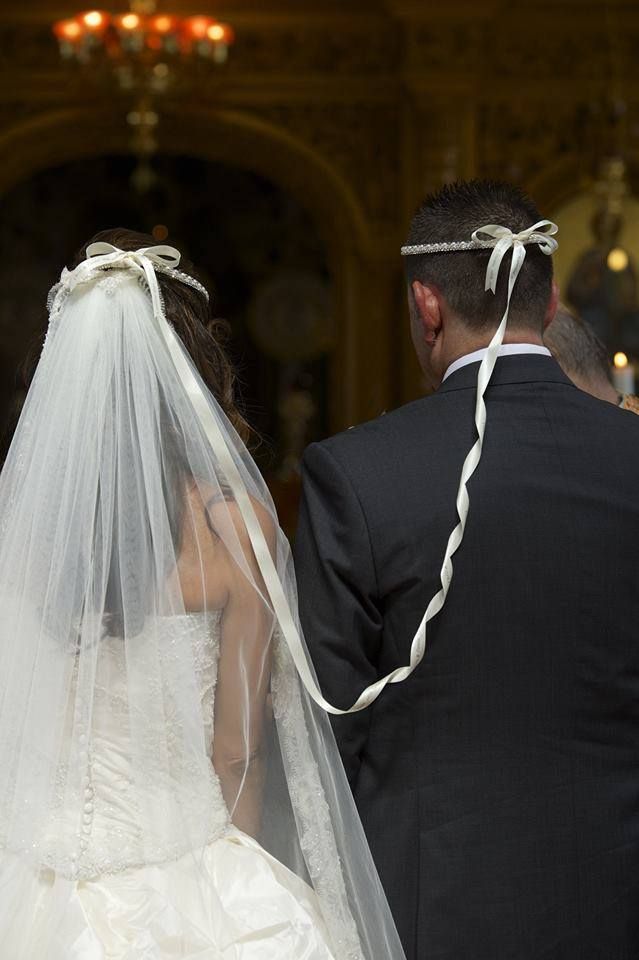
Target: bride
(168,787)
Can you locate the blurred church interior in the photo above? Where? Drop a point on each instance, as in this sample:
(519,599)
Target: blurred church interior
(283,145)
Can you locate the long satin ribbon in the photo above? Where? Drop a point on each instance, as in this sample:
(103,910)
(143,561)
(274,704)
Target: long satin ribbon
(143,261)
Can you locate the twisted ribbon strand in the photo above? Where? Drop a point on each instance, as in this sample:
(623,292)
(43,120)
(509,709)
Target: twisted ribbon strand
(144,261)
(506,240)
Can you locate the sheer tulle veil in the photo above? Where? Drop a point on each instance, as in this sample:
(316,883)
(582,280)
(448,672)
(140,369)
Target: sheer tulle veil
(119,514)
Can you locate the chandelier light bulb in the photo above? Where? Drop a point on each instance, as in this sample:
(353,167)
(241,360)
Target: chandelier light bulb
(95,20)
(67,30)
(198,27)
(162,24)
(130,21)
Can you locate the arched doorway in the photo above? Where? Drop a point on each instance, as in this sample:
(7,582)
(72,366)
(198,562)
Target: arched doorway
(363,285)
(359,373)
(256,246)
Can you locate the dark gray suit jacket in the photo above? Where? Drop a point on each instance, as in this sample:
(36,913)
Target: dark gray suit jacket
(499,785)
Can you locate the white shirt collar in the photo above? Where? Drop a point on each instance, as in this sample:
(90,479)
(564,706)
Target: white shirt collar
(506,350)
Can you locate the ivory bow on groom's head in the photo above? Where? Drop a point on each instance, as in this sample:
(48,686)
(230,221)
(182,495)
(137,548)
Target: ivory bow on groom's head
(459,247)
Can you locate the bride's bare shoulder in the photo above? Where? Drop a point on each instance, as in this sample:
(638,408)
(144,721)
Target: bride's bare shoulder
(229,524)
(216,544)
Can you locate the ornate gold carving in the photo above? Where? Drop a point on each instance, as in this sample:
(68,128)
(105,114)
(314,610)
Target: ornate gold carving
(361,140)
(348,48)
(361,107)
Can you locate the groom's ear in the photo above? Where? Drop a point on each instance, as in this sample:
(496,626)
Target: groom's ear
(428,310)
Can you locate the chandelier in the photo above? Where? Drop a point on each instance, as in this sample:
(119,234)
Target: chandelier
(141,38)
(144,54)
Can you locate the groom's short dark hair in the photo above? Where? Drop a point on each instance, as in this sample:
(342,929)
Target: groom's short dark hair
(453,213)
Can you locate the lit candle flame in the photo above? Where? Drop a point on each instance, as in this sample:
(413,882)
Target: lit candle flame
(620,360)
(617,259)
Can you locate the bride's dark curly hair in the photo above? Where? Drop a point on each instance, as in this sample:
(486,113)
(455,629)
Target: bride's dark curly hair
(204,336)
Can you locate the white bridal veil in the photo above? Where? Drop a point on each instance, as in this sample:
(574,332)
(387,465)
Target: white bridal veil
(130,510)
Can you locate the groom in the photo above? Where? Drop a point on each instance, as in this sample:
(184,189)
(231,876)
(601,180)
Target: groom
(498,784)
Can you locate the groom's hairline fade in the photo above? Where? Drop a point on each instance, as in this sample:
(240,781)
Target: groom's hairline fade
(453,213)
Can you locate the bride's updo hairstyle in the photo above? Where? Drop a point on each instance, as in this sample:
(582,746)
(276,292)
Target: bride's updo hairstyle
(204,336)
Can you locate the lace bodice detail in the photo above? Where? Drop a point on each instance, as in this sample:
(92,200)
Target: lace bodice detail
(145,796)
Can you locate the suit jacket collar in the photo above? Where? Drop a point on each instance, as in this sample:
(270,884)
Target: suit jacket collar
(520,368)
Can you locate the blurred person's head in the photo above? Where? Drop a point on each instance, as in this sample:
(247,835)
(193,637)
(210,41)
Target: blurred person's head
(451,312)
(580,354)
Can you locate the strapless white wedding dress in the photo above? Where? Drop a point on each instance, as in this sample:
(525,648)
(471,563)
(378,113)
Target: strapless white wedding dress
(226,900)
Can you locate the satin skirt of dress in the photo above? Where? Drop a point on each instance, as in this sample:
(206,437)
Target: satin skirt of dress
(229,901)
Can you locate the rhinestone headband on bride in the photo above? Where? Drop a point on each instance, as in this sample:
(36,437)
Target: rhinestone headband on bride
(164,259)
(103,260)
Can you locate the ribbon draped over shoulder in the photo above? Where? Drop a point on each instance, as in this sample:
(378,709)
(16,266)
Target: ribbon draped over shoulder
(502,239)
(147,260)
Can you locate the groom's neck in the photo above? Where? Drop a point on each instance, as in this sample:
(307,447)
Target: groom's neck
(465,342)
